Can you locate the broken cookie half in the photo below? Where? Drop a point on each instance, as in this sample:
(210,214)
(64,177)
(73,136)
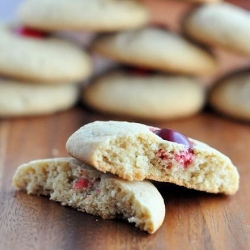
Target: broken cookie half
(80,186)
(135,151)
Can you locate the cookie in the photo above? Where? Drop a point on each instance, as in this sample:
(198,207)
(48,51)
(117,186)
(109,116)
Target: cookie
(223,24)
(83,15)
(77,185)
(136,151)
(27,99)
(145,96)
(230,96)
(157,49)
(26,55)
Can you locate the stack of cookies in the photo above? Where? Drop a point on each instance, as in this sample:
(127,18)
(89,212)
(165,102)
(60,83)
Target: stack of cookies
(112,164)
(39,73)
(157,73)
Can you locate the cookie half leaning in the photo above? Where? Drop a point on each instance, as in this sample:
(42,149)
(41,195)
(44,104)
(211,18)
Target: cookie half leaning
(135,152)
(77,185)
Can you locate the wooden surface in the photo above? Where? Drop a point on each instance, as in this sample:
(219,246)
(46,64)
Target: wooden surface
(194,220)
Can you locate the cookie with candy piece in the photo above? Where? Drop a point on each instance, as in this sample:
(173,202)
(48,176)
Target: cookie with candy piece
(135,151)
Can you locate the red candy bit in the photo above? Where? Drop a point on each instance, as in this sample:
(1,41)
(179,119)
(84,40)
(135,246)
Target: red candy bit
(23,31)
(162,154)
(81,183)
(185,158)
(173,136)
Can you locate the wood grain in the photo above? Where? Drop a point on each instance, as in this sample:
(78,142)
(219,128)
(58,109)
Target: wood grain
(194,220)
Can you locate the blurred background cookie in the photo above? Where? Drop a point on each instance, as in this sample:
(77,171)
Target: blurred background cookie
(231,96)
(32,55)
(222,24)
(155,48)
(145,96)
(26,99)
(94,15)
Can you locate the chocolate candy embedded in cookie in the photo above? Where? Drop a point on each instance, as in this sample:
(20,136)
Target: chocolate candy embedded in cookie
(173,136)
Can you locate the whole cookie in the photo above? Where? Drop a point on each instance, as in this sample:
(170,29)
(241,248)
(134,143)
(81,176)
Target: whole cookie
(222,24)
(151,97)
(135,151)
(24,56)
(155,48)
(231,96)
(80,186)
(24,99)
(90,15)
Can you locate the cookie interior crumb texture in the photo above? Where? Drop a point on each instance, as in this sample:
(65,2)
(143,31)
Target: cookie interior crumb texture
(134,152)
(77,185)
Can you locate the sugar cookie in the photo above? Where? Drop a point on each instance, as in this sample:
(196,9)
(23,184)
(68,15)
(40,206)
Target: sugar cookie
(28,57)
(27,99)
(136,151)
(231,95)
(94,15)
(77,185)
(151,97)
(157,49)
(223,24)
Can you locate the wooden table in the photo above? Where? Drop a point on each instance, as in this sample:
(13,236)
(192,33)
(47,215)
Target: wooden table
(194,220)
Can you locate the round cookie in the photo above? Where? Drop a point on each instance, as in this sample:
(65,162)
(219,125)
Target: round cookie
(231,95)
(135,151)
(80,186)
(152,97)
(157,49)
(222,24)
(29,99)
(94,15)
(27,57)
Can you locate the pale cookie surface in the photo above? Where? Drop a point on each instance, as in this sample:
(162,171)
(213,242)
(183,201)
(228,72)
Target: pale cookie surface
(44,60)
(157,49)
(223,24)
(155,96)
(27,99)
(231,96)
(75,184)
(134,152)
(94,15)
